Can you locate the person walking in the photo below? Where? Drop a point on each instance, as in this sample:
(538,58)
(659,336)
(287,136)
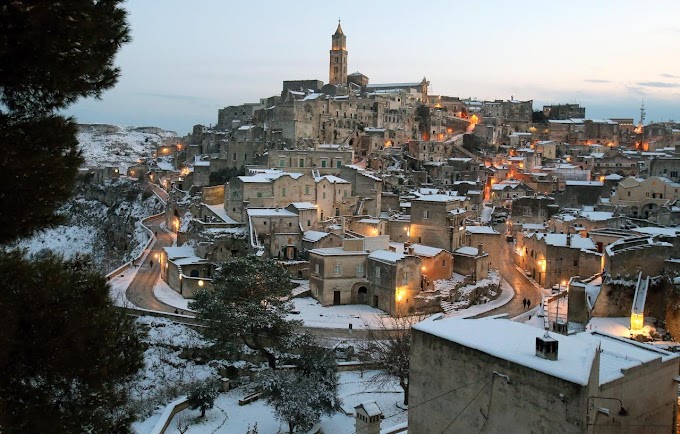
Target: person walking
(524,303)
(528,304)
(150,263)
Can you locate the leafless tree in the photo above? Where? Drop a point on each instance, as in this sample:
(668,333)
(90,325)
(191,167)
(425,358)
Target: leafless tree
(182,424)
(389,347)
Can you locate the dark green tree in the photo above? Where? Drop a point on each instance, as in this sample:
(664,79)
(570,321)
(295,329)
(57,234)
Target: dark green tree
(302,395)
(51,54)
(223,176)
(248,305)
(202,396)
(66,352)
(538,117)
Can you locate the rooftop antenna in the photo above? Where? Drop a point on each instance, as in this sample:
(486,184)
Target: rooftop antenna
(642,113)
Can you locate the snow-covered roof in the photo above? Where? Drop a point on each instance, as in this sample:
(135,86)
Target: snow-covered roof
(370,407)
(386,256)
(560,240)
(268,176)
(440,198)
(418,249)
(332,179)
(467,251)
(303,205)
(515,342)
(481,230)
(220,212)
(669,232)
(613,177)
(369,221)
(270,212)
(314,236)
(337,251)
(585,183)
(174,252)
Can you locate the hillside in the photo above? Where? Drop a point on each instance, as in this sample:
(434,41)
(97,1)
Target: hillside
(112,145)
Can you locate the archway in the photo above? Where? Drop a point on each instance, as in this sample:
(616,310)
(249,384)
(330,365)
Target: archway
(362,295)
(193,273)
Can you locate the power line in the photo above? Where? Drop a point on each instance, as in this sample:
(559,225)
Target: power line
(465,408)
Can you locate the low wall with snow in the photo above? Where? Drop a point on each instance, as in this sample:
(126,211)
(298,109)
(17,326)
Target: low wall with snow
(170,411)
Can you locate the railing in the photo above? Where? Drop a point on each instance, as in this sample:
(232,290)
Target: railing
(170,411)
(128,264)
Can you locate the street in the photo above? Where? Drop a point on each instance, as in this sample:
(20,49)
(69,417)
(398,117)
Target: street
(519,282)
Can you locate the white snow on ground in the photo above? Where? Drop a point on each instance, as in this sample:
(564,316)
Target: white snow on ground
(119,285)
(167,295)
(506,295)
(65,240)
(303,286)
(111,145)
(229,417)
(619,326)
(361,316)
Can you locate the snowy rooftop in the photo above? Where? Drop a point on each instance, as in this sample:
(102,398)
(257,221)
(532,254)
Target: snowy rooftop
(303,205)
(369,221)
(586,183)
(386,256)
(418,249)
(337,251)
(332,179)
(481,230)
(219,211)
(669,232)
(467,250)
(440,198)
(560,240)
(185,251)
(370,407)
(515,342)
(269,212)
(314,236)
(268,176)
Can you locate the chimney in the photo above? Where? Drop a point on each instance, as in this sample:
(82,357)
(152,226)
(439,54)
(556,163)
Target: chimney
(367,418)
(407,247)
(568,238)
(480,249)
(546,347)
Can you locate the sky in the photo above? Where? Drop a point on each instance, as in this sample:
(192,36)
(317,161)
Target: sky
(188,59)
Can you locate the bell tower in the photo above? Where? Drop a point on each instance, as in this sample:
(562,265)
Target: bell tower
(338,62)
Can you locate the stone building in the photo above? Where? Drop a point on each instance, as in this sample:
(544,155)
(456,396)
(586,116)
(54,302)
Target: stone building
(276,232)
(579,193)
(436,220)
(489,239)
(337,70)
(184,271)
(552,259)
(506,376)
(629,256)
(472,262)
(564,111)
(394,281)
(338,274)
(640,198)
(325,159)
(273,188)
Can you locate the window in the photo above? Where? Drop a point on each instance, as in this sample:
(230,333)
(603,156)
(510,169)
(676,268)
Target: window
(324,163)
(245,157)
(316,268)
(360,270)
(337,269)
(344,193)
(289,225)
(282,163)
(443,262)
(377,272)
(575,262)
(674,174)
(338,163)
(324,195)
(306,189)
(259,194)
(301,162)
(404,278)
(309,223)
(234,156)
(426,214)
(283,192)
(628,193)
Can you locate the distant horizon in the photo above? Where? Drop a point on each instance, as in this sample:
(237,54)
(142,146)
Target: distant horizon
(176,74)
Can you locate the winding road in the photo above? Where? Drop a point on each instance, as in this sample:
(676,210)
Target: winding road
(519,282)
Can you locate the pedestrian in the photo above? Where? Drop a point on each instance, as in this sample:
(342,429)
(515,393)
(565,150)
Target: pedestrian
(176,312)
(150,263)
(524,303)
(528,304)
(155,233)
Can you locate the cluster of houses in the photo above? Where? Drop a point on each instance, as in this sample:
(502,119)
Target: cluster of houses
(377,193)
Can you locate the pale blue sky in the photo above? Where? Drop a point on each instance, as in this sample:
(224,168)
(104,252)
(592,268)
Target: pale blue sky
(187,59)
